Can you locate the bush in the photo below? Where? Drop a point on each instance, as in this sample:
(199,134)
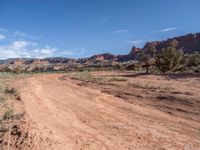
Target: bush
(18,70)
(10,91)
(169,59)
(193,60)
(8,114)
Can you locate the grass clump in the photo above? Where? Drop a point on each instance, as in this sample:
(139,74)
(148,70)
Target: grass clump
(8,114)
(85,76)
(88,77)
(2,99)
(117,79)
(150,87)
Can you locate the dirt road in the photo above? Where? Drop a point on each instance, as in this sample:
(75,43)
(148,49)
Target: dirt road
(63,115)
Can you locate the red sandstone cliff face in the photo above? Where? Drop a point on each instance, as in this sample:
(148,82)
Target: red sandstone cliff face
(133,55)
(188,43)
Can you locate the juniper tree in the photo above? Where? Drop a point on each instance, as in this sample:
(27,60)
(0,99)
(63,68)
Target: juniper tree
(168,59)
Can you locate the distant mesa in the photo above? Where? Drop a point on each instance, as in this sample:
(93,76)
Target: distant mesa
(105,56)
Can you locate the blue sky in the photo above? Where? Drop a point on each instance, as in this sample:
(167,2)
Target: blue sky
(81,28)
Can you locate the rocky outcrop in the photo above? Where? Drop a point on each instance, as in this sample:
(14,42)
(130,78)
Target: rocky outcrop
(36,62)
(133,55)
(188,43)
(60,60)
(105,56)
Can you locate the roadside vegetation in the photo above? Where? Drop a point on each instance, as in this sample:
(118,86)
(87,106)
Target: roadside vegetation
(169,60)
(88,77)
(150,86)
(9,117)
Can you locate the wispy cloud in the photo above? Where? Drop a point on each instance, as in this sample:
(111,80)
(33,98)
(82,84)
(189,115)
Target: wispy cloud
(167,29)
(135,41)
(2,37)
(121,31)
(19,33)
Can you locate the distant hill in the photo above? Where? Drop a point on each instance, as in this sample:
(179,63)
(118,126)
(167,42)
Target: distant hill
(188,43)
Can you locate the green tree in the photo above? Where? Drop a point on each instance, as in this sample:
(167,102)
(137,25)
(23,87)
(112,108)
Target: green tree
(193,59)
(169,59)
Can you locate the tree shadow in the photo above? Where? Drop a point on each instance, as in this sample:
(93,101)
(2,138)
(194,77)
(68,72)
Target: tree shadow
(134,75)
(176,76)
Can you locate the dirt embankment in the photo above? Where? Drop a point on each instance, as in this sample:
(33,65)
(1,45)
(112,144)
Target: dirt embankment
(66,114)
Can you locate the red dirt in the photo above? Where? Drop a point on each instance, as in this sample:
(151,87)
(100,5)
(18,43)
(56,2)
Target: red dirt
(68,115)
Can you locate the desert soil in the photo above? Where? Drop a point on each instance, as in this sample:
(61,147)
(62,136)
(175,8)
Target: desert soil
(142,112)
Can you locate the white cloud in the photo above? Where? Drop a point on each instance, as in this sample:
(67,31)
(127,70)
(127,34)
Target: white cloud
(19,33)
(43,52)
(20,44)
(2,37)
(66,52)
(121,31)
(26,49)
(167,29)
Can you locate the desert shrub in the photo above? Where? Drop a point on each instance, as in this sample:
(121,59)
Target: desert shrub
(191,62)
(192,59)
(136,66)
(118,67)
(195,69)
(17,70)
(10,91)
(153,69)
(8,114)
(2,99)
(169,59)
